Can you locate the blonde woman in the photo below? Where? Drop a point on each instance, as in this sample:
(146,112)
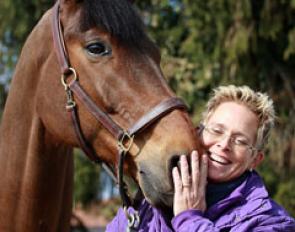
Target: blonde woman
(223,192)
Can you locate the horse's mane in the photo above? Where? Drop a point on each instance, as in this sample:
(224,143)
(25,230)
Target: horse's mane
(118,17)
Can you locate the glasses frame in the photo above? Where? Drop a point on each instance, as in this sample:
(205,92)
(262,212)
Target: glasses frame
(203,127)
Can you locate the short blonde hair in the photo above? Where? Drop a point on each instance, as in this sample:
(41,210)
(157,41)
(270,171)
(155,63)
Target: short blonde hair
(257,102)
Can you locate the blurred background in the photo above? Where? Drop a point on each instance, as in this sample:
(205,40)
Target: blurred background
(203,44)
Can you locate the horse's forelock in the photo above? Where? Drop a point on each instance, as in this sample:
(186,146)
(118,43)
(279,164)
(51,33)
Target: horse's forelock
(118,17)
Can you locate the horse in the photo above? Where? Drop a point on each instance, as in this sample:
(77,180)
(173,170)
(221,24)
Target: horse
(118,67)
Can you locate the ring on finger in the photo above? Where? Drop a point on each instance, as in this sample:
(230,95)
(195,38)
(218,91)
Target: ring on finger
(187,183)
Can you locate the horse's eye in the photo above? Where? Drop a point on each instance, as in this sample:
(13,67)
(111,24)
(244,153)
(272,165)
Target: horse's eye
(97,49)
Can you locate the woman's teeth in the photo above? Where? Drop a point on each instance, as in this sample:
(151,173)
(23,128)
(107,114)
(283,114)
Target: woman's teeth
(218,159)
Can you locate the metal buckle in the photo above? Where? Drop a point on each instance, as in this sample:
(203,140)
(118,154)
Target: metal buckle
(65,76)
(125,141)
(133,220)
(70,101)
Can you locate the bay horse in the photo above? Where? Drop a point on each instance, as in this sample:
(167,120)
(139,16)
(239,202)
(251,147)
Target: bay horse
(118,66)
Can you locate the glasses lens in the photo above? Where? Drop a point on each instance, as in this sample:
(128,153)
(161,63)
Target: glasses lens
(216,134)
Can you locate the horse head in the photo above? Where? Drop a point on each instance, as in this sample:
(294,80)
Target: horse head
(118,66)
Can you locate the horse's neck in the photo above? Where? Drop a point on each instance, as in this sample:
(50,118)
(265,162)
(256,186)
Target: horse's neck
(36,181)
(36,170)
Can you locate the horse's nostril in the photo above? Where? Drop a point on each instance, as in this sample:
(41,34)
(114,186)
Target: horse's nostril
(174,161)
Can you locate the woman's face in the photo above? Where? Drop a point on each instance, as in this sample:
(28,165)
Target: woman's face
(228,137)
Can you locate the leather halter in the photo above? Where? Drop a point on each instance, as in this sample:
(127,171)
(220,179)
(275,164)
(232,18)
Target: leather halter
(124,137)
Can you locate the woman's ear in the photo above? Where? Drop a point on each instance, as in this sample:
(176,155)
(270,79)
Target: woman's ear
(259,157)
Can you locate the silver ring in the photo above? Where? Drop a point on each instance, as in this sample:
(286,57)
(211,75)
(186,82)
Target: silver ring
(186,185)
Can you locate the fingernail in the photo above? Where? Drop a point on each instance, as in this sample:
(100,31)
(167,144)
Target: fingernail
(194,152)
(174,171)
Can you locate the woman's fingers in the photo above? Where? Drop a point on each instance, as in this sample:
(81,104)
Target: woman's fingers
(178,205)
(203,174)
(176,180)
(190,191)
(184,170)
(195,170)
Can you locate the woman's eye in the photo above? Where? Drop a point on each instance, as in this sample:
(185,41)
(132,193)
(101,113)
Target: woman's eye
(97,49)
(217,131)
(239,141)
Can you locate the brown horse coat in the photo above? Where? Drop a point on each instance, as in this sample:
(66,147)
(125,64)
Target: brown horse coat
(36,136)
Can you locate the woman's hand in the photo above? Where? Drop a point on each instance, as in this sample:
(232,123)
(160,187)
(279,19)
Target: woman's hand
(190,190)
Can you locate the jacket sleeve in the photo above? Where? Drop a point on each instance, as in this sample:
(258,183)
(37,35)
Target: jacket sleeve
(192,220)
(269,223)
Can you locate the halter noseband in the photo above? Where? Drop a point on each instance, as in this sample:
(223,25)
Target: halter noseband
(123,137)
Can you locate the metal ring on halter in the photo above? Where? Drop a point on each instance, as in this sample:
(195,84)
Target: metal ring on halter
(65,76)
(133,218)
(125,141)
(126,212)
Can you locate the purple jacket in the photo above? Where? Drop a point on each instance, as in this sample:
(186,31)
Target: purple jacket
(247,208)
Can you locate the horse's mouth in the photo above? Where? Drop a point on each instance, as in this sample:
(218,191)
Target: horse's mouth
(157,193)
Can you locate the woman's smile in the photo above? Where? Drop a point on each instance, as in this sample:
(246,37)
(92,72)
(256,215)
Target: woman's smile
(214,157)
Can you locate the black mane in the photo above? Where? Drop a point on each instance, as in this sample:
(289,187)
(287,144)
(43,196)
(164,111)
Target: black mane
(118,17)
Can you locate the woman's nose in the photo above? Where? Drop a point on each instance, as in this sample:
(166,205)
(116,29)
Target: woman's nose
(225,142)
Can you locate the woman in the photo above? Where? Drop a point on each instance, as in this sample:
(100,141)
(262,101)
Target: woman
(223,192)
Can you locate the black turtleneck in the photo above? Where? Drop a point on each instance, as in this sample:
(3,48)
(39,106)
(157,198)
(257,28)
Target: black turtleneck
(218,191)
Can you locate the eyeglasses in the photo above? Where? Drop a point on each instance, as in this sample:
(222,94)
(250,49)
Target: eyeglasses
(216,133)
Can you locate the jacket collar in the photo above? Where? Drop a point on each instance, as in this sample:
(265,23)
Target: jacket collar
(250,191)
